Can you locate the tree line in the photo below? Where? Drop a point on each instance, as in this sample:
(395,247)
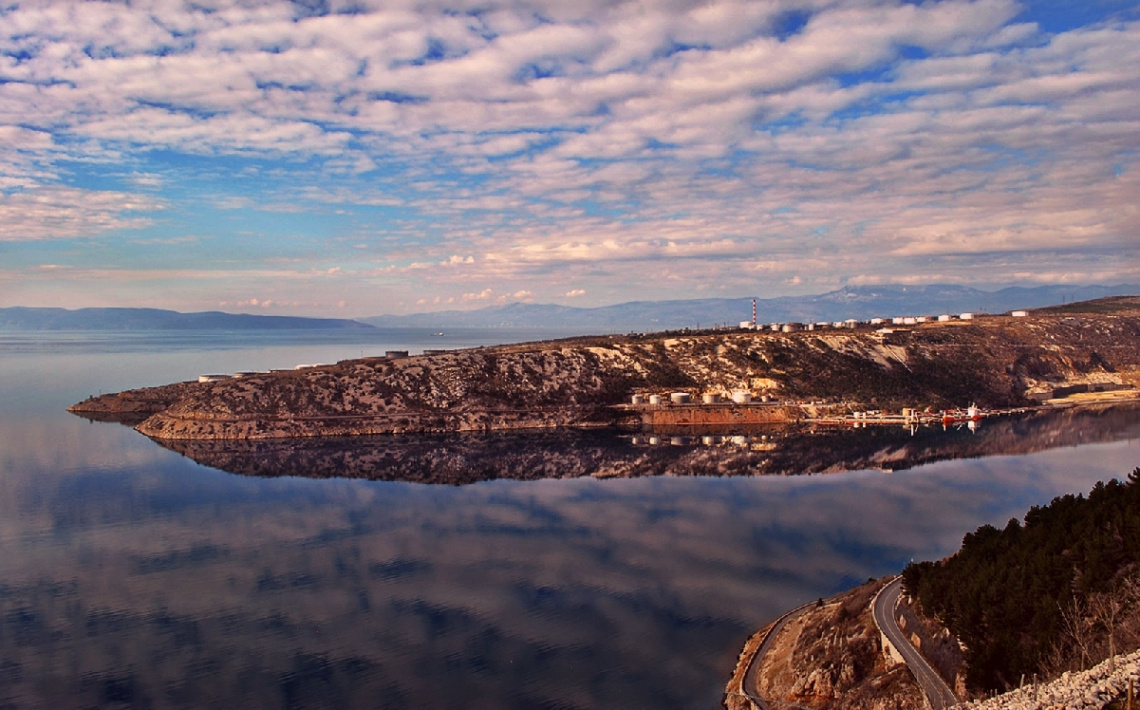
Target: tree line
(1056,592)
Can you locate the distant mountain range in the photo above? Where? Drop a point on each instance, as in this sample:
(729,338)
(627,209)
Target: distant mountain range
(861,302)
(124,319)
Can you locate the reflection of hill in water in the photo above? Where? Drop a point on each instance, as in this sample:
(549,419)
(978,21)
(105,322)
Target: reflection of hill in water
(462,459)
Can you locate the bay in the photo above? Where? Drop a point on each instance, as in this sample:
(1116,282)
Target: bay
(131,575)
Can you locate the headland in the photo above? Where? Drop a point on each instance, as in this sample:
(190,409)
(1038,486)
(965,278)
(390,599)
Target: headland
(854,374)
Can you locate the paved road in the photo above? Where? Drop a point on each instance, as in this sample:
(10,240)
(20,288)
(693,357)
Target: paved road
(749,683)
(937,692)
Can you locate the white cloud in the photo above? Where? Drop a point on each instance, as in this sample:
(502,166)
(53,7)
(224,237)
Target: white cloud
(558,147)
(480,296)
(61,213)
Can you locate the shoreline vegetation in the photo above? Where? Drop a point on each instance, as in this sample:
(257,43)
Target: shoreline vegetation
(857,374)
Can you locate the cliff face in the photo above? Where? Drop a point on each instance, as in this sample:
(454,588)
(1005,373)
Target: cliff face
(994,362)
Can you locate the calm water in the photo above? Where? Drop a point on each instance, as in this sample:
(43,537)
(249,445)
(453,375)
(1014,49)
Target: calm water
(132,575)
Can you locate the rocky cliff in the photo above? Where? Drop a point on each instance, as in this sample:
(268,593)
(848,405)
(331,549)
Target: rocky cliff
(994,361)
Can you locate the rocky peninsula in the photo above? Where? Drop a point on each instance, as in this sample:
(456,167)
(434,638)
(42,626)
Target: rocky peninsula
(995,361)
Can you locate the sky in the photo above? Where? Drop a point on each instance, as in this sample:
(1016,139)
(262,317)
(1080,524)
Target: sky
(351,158)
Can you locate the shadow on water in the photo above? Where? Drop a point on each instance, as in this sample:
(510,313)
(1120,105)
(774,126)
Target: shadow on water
(467,458)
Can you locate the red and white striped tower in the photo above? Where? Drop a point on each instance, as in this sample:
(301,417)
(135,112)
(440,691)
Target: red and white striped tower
(754,313)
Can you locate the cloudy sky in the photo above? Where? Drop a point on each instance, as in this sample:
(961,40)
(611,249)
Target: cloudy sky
(355,158)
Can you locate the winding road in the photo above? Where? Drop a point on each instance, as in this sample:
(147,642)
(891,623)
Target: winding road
(883,609)
(749,681)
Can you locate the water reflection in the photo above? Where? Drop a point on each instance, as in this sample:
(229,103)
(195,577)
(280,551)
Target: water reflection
(463,459)
(166,584)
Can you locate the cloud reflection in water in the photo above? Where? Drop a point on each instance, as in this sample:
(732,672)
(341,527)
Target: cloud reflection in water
(159,582)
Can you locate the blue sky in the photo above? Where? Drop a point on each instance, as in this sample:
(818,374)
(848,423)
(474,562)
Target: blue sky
(358,158)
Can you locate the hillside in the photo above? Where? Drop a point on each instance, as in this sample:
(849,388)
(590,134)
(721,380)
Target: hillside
(1055,592)
(829,657)
(994,362)
(1111,304)
(1047,608)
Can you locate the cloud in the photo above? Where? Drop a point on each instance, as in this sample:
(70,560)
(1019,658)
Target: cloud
(483,295)
(62,213)
(610,146)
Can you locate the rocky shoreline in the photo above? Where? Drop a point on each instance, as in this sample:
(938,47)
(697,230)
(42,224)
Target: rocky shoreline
(587,382)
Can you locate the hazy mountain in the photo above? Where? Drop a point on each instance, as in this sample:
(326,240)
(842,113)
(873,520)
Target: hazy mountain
(862,302)
(157,319)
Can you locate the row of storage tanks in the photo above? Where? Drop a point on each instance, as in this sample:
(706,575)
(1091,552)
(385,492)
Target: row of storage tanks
(737,397)
(853,323)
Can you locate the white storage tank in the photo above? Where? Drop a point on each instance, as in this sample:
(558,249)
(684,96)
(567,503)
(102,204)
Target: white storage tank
(710,398)
(945,318)
(638,399)
(1020,314)
(967,316)
(741,397)
(656,399)
(680,398)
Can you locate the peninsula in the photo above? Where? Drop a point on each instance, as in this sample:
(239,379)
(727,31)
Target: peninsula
(725,378)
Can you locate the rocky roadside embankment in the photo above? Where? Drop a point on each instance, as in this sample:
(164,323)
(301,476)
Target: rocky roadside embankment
(994,362)
(1092,689)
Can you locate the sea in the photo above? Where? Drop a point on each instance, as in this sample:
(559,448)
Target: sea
(550,571)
